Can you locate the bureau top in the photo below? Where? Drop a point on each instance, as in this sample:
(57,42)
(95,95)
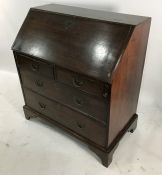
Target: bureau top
(93,14)
(88,42)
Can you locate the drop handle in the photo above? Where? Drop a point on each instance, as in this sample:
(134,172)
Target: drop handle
(106,91)
(105,94)
(80,125)
(77,82)
(78,101)
(35,67)
(42,106)
(39,83)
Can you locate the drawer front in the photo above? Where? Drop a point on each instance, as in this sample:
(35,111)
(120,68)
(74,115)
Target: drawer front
(67,117)
(80,82)
(26,64)
(90,106)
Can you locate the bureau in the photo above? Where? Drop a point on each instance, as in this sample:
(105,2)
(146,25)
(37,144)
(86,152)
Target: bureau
(81,70)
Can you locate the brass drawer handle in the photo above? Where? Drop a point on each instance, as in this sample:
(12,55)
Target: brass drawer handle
(105,94)
(39,83)
(35,67)
(77,82)
(78,101)
(81,126)
(42,106)
(106,91)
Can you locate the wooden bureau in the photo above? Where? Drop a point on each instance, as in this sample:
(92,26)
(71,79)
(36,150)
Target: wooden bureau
(81,69)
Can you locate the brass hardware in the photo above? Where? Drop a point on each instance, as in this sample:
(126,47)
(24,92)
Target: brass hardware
(105,90)
(35,67)
(42,106)
(77,82)
(78,101)
(39,83)
(81,126)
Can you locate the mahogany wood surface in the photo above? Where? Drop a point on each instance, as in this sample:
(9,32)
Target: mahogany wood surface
(62,40)
(125,89)
(81,70)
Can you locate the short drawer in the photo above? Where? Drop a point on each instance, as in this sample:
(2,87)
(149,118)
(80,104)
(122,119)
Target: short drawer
(81,82)
(27,64)
(92,107)
(67,117)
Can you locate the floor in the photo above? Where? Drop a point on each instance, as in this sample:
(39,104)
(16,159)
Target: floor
(35,147)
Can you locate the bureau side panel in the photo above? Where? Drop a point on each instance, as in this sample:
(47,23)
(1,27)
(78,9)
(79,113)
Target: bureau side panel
(126,81)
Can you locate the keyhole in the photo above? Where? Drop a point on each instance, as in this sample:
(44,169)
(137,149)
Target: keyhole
(80,125)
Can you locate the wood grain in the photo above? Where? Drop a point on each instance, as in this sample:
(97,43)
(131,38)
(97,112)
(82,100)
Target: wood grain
(126,81)
(81,70)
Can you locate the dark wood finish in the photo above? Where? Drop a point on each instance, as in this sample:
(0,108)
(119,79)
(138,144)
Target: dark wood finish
(105,155)
(93,14)
(89,105)
(125,89)
(81,70)
(52,41)
(69,118)
(83,83)
(26,64)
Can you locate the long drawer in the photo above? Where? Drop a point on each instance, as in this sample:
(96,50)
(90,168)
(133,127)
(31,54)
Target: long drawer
(67,117)
(89,105)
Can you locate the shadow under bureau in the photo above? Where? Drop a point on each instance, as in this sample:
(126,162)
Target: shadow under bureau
(81,70)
